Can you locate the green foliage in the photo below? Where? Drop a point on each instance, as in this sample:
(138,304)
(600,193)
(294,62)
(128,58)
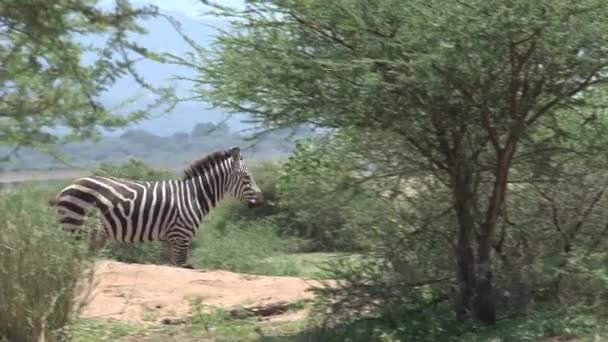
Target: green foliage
(401,274)
(41,269)
(565,217)
(320,198)
(205,324)
(447,91)
(577,324)
(243,247)
(306,264)
(140,253)
(574,324)
(135,169)
(396,65)
(266,177)
(44,81)
(88,330)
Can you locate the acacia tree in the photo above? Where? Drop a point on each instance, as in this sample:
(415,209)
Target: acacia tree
(44,80)
(457,84)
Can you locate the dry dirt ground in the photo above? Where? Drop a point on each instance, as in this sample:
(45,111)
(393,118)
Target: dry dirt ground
(136,293)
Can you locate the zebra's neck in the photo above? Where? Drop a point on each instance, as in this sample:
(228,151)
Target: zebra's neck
(208,190)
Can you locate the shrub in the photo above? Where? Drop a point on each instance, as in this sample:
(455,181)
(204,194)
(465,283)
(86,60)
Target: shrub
(140,253)
(40,269)
(321,199)
(550,254)
(132,169)
(241,247)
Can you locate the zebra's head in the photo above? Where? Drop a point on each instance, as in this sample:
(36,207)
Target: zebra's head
(243,184)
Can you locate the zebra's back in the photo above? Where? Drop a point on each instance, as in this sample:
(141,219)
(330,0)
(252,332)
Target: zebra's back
(132,211)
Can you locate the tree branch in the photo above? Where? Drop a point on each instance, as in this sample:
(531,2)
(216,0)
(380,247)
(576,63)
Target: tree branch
(323,31)
(580,87)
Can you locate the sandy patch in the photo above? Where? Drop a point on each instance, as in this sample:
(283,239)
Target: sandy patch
(139,293)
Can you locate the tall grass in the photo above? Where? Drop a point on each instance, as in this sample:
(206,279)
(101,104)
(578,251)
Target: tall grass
(40,269)
(242,245)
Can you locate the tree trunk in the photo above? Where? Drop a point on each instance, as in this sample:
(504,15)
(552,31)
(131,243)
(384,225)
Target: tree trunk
(465,272)
(486,309)
(465,258)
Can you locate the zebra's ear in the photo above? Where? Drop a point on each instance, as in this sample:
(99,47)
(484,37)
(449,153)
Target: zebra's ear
(235,152)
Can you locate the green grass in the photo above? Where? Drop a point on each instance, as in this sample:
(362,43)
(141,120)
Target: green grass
(258,250)
(204,324)
(141,253)
(215,327)
(229,241)
(93,330)
(305,265)
(564,324)
(580,324)
(242,247)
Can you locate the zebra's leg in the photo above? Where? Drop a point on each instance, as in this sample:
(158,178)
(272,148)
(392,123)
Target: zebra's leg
(179,253)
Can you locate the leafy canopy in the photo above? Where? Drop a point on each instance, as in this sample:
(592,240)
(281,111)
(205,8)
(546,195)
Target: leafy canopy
(404,65)
(44,80)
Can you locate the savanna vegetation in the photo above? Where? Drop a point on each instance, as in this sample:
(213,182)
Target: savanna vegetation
(458,191)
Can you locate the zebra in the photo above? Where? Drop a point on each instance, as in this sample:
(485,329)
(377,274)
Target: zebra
(169,211)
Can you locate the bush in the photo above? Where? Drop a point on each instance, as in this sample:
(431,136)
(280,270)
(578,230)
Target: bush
(40,269)
(132,169)
(139,253)
(550,253)
(241,247)
(400,279)
(321,199)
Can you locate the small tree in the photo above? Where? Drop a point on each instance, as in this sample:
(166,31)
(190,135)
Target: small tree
(451,87)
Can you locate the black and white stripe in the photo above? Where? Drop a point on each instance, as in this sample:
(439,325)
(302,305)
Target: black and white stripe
(169,211)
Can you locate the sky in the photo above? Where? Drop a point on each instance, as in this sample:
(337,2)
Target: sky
(190,8)
(162,38)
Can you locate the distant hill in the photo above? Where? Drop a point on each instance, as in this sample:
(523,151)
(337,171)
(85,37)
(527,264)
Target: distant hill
(169,151)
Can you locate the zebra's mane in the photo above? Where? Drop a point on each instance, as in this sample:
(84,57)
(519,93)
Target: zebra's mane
(200,166)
